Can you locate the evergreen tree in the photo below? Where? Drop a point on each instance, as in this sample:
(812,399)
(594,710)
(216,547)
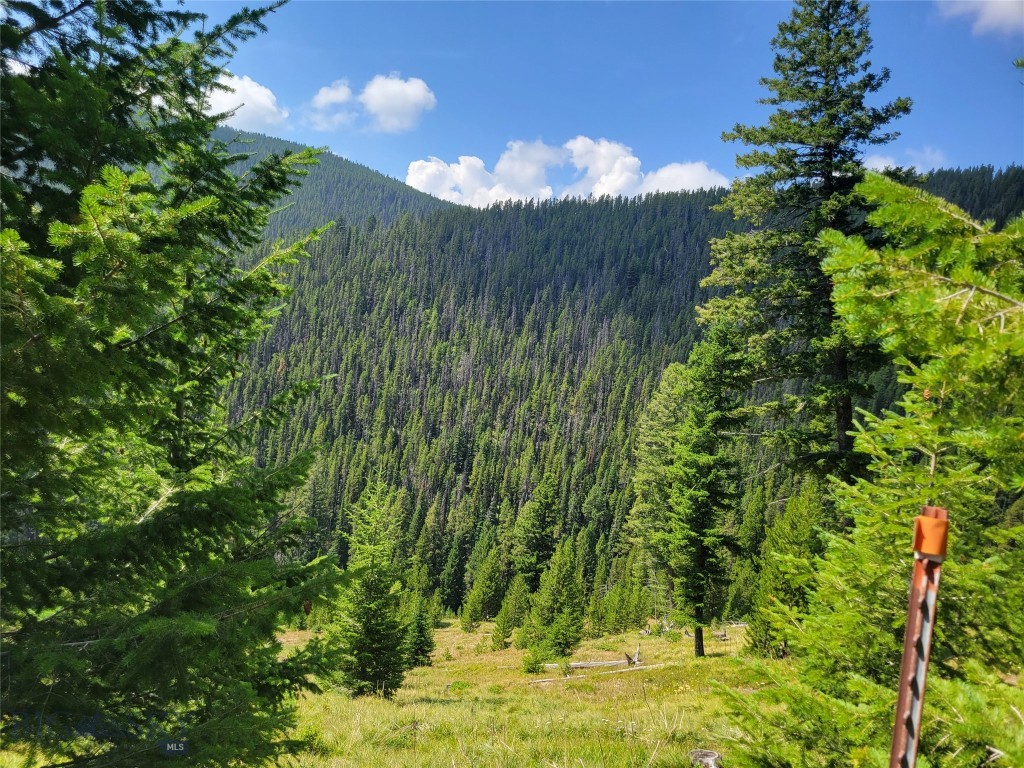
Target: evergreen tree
(472,612)
(484,599)
(946,301)
(369,630)
(554,626)
(147,563)
(685,481)
(792,543)
(514,610)
(419,639)
(808,160)
(534,532)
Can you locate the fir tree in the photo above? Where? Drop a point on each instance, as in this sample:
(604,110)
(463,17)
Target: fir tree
(946,300)
(369,631)
(685,481)
(419,638)
(809,159)
(554,626)
(514,610)
(534,532)
(484,599)
(792,543)
(147,563)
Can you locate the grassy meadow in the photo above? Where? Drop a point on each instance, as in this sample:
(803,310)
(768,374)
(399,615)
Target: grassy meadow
(476,707)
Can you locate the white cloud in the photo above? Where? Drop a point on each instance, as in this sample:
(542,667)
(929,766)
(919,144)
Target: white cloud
(879,162)
(678,176)
(466,181)
(331,95)
(989,15)
(926,159)
(523,166)
(254,106)
(609,168)
(396,104)
(324,113)
(604,168)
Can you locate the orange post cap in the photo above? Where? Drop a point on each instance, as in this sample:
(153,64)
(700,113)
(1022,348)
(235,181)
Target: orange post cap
(931,532)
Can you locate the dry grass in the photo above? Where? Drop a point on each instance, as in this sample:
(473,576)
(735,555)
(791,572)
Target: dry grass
(475,707)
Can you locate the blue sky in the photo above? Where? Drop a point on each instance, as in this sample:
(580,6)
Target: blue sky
(480,101)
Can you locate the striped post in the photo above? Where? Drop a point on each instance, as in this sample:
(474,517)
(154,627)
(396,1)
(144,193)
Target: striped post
(931,529)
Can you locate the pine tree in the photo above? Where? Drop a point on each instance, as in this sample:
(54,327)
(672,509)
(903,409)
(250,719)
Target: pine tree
(792,543)
(554,626)
(946,300)
(369,630)
(534,532)
(685,480)
(147,563)
(808,156)
(484,599)
(514,610)
(419,639)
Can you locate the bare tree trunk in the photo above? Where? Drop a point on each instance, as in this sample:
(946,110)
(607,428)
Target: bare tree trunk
(698,641)
(844,404)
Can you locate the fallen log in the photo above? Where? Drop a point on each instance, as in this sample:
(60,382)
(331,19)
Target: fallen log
(589,664)
(638,668)
(555,679)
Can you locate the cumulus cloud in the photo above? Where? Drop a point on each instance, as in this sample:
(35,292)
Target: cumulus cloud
(989,15)
(254,106)
(331,95)
(396,104)
(678,176)
(327,111)
(602,167)
(607,167)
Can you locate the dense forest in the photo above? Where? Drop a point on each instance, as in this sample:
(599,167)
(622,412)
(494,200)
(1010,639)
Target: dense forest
(479,354)
(249,389)
(334,189)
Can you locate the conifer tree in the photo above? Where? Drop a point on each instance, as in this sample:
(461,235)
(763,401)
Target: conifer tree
(808,156)
(534,534)
(685,480)
(792,543)
(946,300)
(484,599)
(419,638)
(369,631)
(146,561)
(554,626)
(514,610)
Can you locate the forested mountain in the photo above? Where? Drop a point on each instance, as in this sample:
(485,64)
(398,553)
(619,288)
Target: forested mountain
(480,355)
(335,189)
(487,359)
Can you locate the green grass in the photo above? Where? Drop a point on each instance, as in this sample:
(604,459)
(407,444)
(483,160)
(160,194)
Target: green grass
(475,707)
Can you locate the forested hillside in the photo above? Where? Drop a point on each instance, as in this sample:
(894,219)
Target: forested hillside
(481,355)
(335,189)
(483,360)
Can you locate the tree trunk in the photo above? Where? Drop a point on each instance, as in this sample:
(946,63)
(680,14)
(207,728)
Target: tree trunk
(698,641)
(844,404)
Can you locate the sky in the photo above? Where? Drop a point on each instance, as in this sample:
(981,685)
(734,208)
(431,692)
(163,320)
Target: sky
(477,102)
